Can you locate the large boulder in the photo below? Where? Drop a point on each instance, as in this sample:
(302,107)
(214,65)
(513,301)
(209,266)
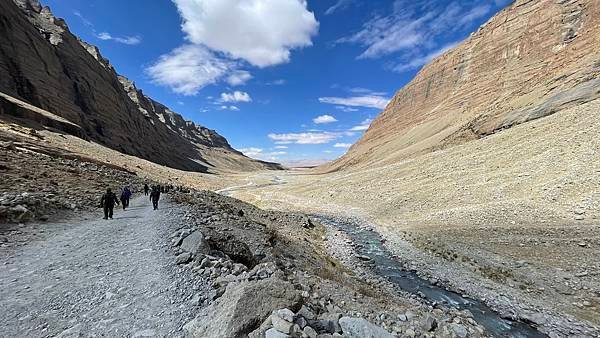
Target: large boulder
(243,308)
(195,243)
(360,328)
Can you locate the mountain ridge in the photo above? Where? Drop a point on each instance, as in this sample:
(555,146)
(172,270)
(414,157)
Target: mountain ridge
(44,64)
(532,59)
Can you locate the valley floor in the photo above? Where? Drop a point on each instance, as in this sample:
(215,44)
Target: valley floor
(513,218)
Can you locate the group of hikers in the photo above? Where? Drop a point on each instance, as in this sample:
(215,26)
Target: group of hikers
(109,199)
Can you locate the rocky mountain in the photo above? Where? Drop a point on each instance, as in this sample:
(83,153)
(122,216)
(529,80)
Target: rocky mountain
(43,64)
(532,59)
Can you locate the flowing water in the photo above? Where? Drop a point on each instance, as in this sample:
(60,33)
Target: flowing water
(369,243)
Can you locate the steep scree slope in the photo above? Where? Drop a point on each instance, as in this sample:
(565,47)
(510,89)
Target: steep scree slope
(532,59)
(43,64)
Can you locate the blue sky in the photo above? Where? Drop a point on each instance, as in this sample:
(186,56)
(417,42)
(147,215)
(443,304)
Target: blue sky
(282,80)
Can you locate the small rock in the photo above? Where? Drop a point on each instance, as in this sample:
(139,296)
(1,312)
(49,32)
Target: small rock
(183,258)
(429,323)
(281,324)
(309,332)
(410,333)
(459,330)
(286,314)
(272,333)
(360,328)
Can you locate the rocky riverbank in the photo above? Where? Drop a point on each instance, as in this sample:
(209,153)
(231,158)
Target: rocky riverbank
(274,275)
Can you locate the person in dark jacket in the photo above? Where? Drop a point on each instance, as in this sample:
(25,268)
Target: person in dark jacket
(146,189)
(155,196)
(108,202)
(125,195)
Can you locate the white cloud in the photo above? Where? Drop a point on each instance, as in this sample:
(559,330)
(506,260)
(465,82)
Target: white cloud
(232,108)
(261,32)
(304,138)
(251,152)
(83,19)
(238,78)
(368,101)
(259,154)
(188,69)
(127,40)
(279,82)
(323,119)
(338,6)
(342,145)
(346,109)
(236,96)
(359,90)
(364,125)
(281,147)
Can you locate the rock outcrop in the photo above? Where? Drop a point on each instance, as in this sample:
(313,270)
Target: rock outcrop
(43,64)
(242,309)
(532,59)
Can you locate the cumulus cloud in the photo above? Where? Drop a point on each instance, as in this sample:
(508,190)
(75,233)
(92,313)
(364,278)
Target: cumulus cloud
(261,32)
(368,101)
(342,145)
(304,138)
(236,96)
(188,69)
(223,35)
(127,40)
(324,119)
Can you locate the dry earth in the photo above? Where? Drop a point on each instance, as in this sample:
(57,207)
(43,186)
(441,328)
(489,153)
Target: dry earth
(515,213)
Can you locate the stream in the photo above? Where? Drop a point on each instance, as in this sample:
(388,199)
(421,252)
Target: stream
(370,244)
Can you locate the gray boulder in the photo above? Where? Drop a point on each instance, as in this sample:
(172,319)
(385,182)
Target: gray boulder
(195,244)
(243,308)
(272,333)
(360,328)
(183,258)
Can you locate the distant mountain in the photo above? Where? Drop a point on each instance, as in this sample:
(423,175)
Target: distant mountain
(45,65)
(531,60)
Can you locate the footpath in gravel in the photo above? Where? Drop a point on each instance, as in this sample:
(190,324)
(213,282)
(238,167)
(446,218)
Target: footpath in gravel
(98,277)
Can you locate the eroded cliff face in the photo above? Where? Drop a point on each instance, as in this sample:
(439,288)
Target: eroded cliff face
(534,58)
(44,64)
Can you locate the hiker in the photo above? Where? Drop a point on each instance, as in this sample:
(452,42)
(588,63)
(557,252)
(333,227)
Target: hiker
(146,189)
(155,196)
(108,202)
(125,195)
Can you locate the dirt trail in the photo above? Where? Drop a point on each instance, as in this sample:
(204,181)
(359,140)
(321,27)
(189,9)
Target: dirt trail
(96,277)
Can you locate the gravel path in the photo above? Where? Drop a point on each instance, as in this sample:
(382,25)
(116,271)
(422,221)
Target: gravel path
(98,278)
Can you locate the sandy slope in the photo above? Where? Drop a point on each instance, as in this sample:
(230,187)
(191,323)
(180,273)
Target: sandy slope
(517,208)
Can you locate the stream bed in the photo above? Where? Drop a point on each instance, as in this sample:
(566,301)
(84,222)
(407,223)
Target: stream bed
(369,243)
